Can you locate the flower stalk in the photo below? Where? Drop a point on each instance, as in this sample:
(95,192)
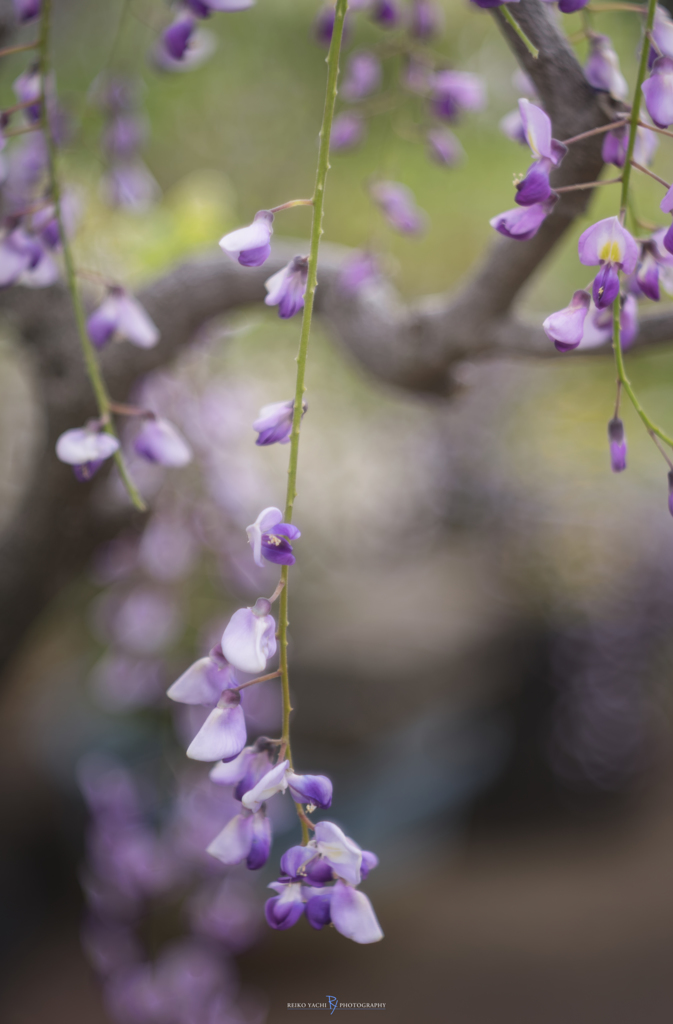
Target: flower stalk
(90,360)
(318,201)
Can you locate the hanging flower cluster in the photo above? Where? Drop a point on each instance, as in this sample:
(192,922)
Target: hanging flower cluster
(630,267)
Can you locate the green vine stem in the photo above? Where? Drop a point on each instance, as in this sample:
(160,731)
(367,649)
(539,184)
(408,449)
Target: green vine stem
(516,27)
(88,351)
(318,200)
(622,378)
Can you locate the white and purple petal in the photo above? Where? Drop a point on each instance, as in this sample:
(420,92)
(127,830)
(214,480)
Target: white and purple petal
(353,915)
(160,441)
(341,853)
(232,845)
(249,638)
(223,734)
(275,781)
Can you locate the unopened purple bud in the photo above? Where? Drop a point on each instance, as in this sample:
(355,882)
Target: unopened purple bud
(606,286)
(628,321)
(614,147)
(286,289)
(27,10)
(426,19)
(617,445)
(417,76)
(670,491)
(348,131)
(362,76)
(658,92)
(310,789)
(323,26)
(123,136)
(523,222)
(260,845)
(570,6)
(177,36)
(602,68)
(385,13)
(566,327)
(274,423)
(318,910)
(160,441)
(444,147)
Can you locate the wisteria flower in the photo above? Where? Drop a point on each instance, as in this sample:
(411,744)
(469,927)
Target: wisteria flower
(602,68)
(610,245)
(670,491)
(647,272)
(662,34)
(314,790)
(385,12)
(548,152)
(201,45)
(511,125)
(566,327)
(245,770)
(249,639)
(205,681)
(398,204)
(658,92)
(274,423)
(426,19)
(177,36)
(122,317)
(160,441)
(667,206)
(362,76)
(616,142)
(628,321)
(523,222)
(359,270)
(348,130)
(130,185)
(455,91)
(28,89)
(85,449)
(19,252)
(617,442)
(247,837)
(27,10)
(270,538)
(353,915)
(223,734)
(286,289)
(283,911)
(444,147)
(250,246)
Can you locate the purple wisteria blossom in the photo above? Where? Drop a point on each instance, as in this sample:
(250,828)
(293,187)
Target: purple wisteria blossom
(455,91)
(628,321)
(160,441)
(249,639)
(608,244)
(270,538)
(247,837)
(670,491)
(348,130)
(511,125)
(398,204)
(20,252)
(602,68)
(616,143)
(362,76)
(205,681)
(274,423)
(223,734)
(177,36)
(130,185)
(385,12)
(566,327)
(487,4)
(245,770)
(617,445)
(360,269)
(85,449)
(647,272)
(28,89)
(27,10)
(658,92)
(535,187)
(662,35)
(314,790)
(122,317)
(250,246)
(426,19)
(286,289)
(523,222)
(444,147)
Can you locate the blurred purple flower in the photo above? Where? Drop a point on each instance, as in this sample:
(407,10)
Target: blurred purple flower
(85,449)
(283,911)
(28,89)
(658,92)
(247,837)
(160,441)
(358,270)
(362,76)
(384,12)
(168,548)
(456,91)
(122,317)
(670,491)
(444,147)
(398,204)
(145,621)
(348,130)
(20,252)
(426,20)
(177,36)
(27,10)
(123,683)
(616,144)
(602,68)
(129,185)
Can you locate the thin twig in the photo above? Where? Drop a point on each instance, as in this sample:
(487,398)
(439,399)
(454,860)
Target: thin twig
(654,128)
(588,184)
(260,679)
(19,49)
(597,131)
(646,170)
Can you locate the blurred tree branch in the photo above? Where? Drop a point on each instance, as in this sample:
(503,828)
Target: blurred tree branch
(57,525)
